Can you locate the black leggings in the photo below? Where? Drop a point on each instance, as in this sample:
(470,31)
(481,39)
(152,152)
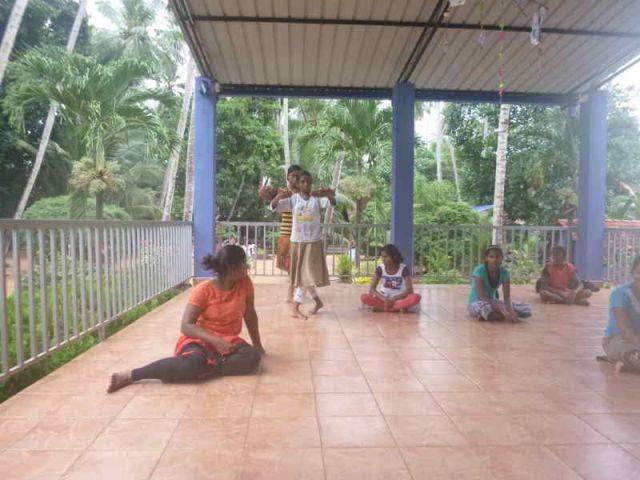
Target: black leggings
(243,360)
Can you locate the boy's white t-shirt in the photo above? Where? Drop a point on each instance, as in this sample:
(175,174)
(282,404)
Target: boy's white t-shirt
(307,226)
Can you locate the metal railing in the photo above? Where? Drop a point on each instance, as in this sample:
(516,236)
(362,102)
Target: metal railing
(441,253)
(621,246)
(62,280)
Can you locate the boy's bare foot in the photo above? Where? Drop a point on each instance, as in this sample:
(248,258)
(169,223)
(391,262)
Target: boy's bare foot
(119,380)
(316,307)
(296,313)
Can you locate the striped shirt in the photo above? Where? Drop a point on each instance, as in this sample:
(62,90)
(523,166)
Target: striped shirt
(287,224)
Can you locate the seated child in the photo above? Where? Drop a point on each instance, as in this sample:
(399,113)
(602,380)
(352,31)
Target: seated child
(559,282)
(391,287)
(622,336)
(486,279)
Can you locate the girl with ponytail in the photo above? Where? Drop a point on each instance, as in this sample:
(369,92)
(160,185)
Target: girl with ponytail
(209,344)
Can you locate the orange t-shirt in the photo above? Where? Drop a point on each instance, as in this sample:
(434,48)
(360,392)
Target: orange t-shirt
(559,277)
(222,312)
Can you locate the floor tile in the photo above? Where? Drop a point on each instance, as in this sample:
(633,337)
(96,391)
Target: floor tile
(218,406)
(31,406)
(559,429)
(35,465)
(110,465)
(355,432)
(528,462)
(340,384)
(285,405)
(433,367)
(346,404)
(92,406)
(201,464)
(426,430)
(632,448)
(493,430)
(447,383)
(619,428)
(443,463)
(599,462)
(299,432)
(135,434)
(225,434)
(369,463)
(13,430)
(335,367)
(155,406)
(278,384)
(61,434)
(407,403)
(283,464)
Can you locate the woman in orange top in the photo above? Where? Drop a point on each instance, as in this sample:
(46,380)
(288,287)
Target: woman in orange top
(210,344)
(560,282)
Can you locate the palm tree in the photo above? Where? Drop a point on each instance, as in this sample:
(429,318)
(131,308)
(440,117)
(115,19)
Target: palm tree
(501,169)
(137,37)
(10,33)
(51,117)
(169,184)
(100,106)
(359,128)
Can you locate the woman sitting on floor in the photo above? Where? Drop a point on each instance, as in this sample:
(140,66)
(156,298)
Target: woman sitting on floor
(622,335)
(485,282)
(391,287)
(209,344)
(559,282)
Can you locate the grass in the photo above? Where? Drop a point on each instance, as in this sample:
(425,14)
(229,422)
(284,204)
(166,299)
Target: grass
(23,379)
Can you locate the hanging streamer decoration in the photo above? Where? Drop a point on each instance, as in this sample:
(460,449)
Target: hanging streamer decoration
(482,36)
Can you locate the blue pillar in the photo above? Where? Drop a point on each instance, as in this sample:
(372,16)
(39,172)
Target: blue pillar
(204,177)
(592,178)
(403,100)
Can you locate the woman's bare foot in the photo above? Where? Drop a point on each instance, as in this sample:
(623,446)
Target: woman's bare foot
(119,380)
(317,306)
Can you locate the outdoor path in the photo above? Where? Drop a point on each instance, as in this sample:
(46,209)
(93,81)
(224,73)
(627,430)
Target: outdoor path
(348,394)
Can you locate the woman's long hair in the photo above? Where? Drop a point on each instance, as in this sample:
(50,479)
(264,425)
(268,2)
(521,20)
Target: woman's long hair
(225,259)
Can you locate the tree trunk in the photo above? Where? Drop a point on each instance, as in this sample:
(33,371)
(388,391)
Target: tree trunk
(335,181)
(99,205)
(235,200)
(10,33)
(169,185)
(439,144)
(51,118)
(285,134)
(501,169)
(454,165)
(187,211)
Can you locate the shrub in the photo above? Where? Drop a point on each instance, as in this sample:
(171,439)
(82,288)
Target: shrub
(344,266)
(57,208)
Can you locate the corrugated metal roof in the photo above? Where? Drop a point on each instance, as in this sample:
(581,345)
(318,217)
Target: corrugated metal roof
(298,43)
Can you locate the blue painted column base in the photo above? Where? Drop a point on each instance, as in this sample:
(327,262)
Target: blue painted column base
(403,100)
(204,177)
(592,178)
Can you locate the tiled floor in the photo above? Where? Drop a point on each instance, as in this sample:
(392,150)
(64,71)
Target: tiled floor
(348,394)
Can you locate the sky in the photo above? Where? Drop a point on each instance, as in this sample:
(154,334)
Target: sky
(427,125)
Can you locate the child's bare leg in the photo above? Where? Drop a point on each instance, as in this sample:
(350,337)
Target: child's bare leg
(551,297)
(316,298)
(297,301)
(582,295)
(290,294)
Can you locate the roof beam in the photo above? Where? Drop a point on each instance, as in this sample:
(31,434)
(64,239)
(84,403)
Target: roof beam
(414,24)
(423,42)
(460,96)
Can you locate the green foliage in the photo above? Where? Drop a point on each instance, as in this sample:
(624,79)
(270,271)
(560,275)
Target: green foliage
(57,208)
(455,213)
(344,267)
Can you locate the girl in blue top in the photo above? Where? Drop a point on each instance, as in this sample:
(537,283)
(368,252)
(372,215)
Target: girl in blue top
(485,282)
(622,336)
